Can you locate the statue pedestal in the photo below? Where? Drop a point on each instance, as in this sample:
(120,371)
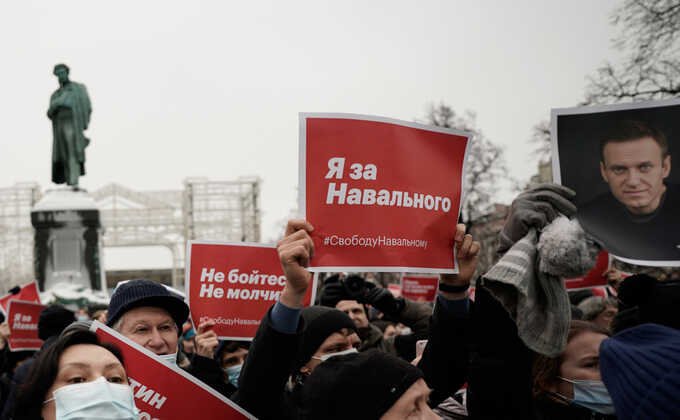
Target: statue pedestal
(67,239)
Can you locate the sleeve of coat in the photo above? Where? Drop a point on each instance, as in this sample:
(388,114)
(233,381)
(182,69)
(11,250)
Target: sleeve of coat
(499,371)
(209,372)
(266,370)
(445,358)
(415,315)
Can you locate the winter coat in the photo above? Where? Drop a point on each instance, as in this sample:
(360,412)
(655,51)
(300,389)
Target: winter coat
(499,373)
(262,385)
(209,371)
(414,315)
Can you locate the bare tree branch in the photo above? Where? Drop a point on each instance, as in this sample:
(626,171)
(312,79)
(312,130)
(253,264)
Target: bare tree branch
(650,40)
(486,164)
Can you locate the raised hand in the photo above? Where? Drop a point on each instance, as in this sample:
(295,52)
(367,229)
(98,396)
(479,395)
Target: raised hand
(295,250)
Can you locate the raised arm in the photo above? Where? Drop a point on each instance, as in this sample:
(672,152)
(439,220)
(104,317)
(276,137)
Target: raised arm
(273,352)
(445,359)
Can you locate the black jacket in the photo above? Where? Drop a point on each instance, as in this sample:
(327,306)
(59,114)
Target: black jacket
(272,355)
(209,372)
(654,237)
(499,371)
(262,384)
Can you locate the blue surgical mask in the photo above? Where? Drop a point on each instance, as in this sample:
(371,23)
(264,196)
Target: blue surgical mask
(325,357)
(98,399)
(592,395)
(233,372)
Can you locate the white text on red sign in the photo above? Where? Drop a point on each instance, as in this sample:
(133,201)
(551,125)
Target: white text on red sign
(211,276)
(369,196)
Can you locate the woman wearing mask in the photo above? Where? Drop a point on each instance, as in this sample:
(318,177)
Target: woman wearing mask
(77,377)
(570,386)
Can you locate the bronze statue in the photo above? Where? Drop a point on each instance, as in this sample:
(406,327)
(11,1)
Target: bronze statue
(69,111)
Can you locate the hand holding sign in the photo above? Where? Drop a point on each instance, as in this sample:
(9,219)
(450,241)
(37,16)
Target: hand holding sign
(232,285)
(295,250)
(4,334)
(206,339)
(467,255)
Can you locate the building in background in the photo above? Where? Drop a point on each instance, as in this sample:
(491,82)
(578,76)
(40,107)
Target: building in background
(16,234)
(202,210)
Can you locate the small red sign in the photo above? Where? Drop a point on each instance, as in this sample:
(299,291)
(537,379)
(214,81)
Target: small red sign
(27,293)
(22,318)
(595,277)
(395,289)
(234,284)
(419,288)
(167,392)
(382,194)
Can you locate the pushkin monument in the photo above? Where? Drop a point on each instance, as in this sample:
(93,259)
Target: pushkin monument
(66,220)
(69,111)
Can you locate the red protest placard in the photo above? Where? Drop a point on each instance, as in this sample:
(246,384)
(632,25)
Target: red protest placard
(382,194)
(22,318)
(234,284)
(419,288)
(167,392)
(27,293)
(595,277)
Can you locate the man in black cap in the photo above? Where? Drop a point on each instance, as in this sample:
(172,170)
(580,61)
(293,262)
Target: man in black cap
(152,316)
(291,343)
(352,293)
(371,385)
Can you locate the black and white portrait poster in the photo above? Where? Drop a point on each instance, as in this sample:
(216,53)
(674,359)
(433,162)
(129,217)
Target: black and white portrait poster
(623,161)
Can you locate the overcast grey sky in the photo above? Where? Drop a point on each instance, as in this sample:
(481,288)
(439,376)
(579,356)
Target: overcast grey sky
(213,88)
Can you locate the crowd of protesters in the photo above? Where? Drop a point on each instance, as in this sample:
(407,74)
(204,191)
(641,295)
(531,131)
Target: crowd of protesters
(362,353)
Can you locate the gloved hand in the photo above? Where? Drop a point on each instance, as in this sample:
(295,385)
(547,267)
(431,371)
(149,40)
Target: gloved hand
(333,292)
(378,297)
(535,209)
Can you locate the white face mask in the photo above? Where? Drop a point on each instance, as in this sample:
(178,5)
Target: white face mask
(325,357)
(170,359)
(98,399)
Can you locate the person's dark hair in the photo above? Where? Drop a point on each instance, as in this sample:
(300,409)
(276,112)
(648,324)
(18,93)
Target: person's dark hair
(629,130)
(94,308)
(545,370)
(229,346)
(32,392)
(53,319)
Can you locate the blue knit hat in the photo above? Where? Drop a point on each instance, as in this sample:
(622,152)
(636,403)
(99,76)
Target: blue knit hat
(641,369)
(143,292)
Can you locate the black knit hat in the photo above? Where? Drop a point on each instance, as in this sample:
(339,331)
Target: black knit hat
(360,386)
(646,300)
(143,292)
(52,321)
(641,369)
(636,289)
(320,323)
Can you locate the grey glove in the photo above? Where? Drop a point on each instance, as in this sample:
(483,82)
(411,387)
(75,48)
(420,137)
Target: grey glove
(535,209)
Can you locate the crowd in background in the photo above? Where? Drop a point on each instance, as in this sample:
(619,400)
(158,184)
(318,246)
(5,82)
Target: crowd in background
(362,353)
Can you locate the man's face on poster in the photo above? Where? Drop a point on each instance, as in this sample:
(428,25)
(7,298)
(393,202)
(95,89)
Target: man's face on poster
(635,171)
